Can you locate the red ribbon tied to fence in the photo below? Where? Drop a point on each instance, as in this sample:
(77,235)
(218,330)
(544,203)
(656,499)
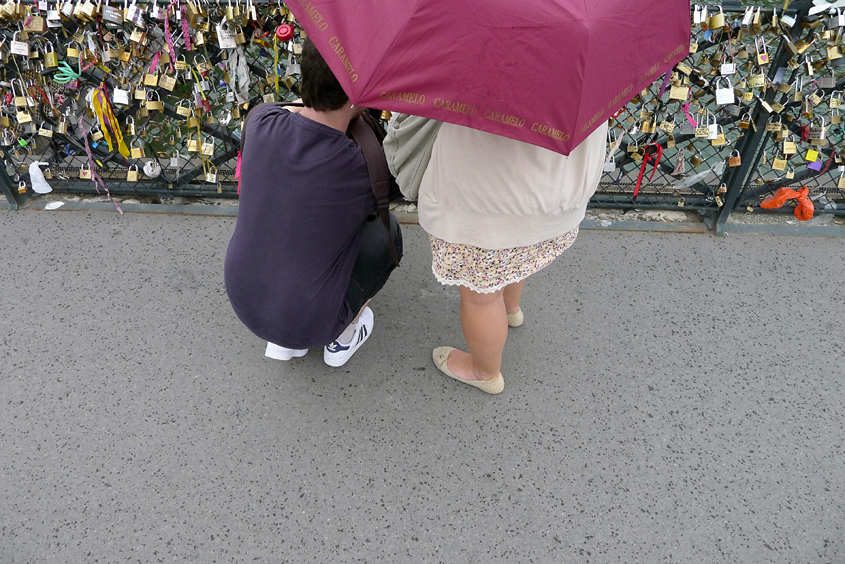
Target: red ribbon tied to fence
(803,211)
(653,151)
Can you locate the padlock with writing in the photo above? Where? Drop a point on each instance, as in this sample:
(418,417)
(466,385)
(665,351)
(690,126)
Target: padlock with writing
(818,131)
(720,139)
(207,148)
(774,124)
(745,121)
(790,147)
(835,118)
(167,82)
(201,64)
(735,159)
(211,175)
(18,47)
(137,149)
(183,108)
(51,60)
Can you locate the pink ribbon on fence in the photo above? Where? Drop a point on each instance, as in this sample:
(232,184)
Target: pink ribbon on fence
(186,29)
(94,176)
(168,37)
(690,119)
(154,62)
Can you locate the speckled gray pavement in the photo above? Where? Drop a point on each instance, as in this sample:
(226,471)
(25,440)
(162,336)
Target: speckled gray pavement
(670,398)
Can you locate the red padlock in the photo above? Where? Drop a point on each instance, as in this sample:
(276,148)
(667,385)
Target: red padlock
(9,98)
(284,32)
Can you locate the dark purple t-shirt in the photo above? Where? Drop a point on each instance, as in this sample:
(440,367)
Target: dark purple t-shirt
(305,194)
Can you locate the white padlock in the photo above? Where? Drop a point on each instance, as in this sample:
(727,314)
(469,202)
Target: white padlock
(724,94)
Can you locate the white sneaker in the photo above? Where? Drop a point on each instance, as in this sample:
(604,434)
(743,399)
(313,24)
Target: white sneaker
(337,354)
(281,353)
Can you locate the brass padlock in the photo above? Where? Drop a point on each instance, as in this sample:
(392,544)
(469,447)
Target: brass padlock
(193,144)
(72,52)
(132,173)
(167,82)
(735,159)
(695,160)
(137,152)
(182,109)
(51,60)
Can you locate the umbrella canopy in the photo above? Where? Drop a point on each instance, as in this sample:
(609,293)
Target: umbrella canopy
(547,72)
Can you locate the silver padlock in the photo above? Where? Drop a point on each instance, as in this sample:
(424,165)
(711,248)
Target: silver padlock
(818,132)
(211,175)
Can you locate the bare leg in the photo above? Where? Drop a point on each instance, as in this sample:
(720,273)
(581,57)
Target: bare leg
(485,326)
(512,295)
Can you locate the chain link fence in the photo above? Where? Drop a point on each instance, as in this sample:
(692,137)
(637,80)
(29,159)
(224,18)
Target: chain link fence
(179,99)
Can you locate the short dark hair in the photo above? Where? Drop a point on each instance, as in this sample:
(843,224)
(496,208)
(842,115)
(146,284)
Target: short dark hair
(320,89)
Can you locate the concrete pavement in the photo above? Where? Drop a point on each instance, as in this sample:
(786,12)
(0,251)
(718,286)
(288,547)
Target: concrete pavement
(670,398)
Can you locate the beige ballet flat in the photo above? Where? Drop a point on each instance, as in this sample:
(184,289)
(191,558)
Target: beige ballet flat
(441,360)
(515,319)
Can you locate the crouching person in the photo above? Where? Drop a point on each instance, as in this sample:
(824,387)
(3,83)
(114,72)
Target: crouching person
(309,251)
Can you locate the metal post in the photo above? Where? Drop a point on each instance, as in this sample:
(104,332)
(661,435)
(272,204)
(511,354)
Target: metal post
(759,117)
(6,184)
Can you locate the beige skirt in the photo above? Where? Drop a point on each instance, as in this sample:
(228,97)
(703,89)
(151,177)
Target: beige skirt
(486,271)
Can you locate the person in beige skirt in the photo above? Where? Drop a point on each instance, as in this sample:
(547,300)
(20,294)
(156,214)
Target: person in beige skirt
(497,211)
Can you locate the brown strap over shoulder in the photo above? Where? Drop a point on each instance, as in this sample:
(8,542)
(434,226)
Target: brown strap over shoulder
(368,141)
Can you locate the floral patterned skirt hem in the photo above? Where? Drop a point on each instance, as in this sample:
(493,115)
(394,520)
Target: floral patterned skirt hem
(485,271)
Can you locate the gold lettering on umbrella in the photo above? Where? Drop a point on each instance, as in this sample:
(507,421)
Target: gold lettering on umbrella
(678,50)
(650,72)
(409,97)
(558,134)
(334,43)
(314,15)
(621,96)
(593,120)
(453,106)
(504,118)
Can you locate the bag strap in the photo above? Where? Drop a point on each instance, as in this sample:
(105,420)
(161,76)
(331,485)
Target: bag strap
(368,141)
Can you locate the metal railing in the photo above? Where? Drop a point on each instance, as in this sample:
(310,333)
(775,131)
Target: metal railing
(694,173)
